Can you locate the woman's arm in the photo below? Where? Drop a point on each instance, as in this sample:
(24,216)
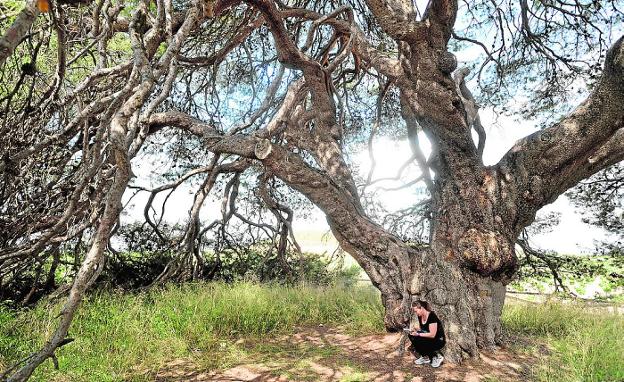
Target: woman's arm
(433,329)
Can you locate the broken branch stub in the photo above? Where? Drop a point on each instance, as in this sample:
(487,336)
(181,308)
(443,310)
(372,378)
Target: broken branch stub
(263,149)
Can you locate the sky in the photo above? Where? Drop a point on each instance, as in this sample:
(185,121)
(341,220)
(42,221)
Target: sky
(571,236)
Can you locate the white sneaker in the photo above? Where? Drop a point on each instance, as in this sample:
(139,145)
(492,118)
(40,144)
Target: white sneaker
(437,360)
(422,361)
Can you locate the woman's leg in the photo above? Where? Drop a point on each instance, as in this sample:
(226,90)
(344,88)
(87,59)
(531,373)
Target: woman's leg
(416,343)
(437,345)
(437,358)
(423,346)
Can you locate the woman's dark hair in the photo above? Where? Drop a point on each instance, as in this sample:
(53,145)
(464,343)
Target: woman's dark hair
(421,303)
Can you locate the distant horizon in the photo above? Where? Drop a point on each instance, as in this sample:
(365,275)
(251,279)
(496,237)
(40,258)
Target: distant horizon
(570,237)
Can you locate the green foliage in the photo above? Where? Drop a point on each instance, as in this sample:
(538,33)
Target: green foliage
(576,273)
(601,199)
(118,333)
(14,291)
(132,270)
(10,9)
(120,45)
(261,263)
(143,261)
(144,258)
(8,343)
(586,340)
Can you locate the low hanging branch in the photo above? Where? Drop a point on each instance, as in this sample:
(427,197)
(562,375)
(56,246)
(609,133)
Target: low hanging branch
(207,79)
(550,263)
(277,209)
(121,128)
(15,34)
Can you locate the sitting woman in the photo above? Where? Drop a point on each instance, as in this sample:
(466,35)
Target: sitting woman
(428,339)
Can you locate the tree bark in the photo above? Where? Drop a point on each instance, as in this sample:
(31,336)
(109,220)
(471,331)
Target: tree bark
(89,270)
(476,211)
(18,30)
(462,273)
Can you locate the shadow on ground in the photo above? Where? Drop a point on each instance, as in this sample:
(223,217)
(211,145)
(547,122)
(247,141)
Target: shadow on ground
(327,354)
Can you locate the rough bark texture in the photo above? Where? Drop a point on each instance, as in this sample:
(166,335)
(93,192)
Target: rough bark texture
(476,211)
(90,269)
(18,30)
(476,215)
(124,140)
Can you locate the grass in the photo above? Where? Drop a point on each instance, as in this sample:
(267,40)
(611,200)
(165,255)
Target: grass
(122,337)
(118,333)
(586,343)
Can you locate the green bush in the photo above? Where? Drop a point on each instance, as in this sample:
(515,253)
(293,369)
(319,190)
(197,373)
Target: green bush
(262,264)
(134,270)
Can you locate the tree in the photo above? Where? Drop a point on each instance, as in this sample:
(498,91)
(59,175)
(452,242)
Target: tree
(602,200)
(127,77)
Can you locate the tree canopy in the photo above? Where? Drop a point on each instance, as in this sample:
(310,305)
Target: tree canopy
(263,102)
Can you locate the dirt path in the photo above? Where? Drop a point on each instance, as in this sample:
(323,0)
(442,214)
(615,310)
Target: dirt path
(327,354)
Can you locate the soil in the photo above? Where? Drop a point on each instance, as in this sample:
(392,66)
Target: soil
(328,354)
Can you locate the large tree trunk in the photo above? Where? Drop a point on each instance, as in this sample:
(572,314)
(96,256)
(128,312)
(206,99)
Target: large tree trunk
(462,273)
(468,303)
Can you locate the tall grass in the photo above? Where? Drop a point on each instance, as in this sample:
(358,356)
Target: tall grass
(117,334)
(130,336)
(587,343)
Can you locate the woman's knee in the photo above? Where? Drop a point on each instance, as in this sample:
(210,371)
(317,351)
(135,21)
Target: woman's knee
(438,344)
(417,342)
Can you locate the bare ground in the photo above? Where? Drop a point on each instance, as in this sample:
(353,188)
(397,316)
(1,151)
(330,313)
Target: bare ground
(328,354)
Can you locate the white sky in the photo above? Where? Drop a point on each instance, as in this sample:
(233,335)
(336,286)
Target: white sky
(570,236)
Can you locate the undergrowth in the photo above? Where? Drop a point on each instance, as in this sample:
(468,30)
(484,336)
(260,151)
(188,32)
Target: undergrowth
(122,336)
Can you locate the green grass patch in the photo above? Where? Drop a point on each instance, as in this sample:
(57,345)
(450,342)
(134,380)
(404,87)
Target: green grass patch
(587,342)
(117,334)
(128,337)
